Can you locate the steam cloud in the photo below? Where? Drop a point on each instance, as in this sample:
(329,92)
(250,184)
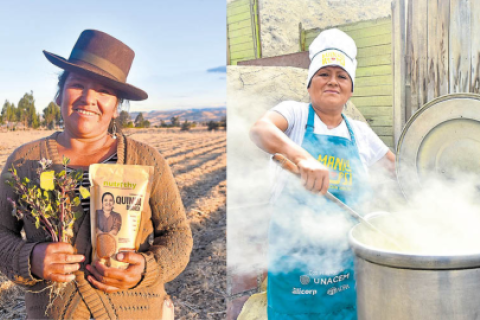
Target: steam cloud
(250,178)
(441,219)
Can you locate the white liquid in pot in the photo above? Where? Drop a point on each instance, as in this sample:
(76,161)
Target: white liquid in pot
(422,234)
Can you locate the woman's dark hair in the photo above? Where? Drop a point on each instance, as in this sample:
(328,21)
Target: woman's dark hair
(107,194)
(62,78)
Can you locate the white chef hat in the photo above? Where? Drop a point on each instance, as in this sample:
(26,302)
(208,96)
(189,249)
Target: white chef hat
(332,48)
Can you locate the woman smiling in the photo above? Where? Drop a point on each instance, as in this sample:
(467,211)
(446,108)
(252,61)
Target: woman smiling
(107,219)
(91,90)
(333,153)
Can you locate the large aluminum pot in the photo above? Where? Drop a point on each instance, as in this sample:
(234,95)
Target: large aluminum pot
(396,286)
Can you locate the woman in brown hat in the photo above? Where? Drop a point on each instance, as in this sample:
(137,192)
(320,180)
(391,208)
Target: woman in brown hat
(91,89)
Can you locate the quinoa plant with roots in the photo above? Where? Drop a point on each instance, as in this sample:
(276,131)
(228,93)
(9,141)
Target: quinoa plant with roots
(49,202)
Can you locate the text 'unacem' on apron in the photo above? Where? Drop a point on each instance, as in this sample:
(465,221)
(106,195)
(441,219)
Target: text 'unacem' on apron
(296,288)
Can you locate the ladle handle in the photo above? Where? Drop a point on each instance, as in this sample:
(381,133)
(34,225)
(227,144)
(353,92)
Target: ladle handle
(292,167)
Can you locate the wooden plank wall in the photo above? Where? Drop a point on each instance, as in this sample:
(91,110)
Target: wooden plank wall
(443,50)
(242,35)
(374,80)
(398,54)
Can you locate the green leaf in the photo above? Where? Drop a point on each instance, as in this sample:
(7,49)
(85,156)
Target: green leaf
(8,176)
(76,201)
(46,194)
(46,180)
(79,175)
(84,193)
(61,173)
(66,161)
(77,214)
(37,222)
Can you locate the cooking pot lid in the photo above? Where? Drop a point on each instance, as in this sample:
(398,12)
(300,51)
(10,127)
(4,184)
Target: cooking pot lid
(441,139)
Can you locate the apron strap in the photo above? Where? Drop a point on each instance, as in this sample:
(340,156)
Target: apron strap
(311,119)
(311,125)
(352,135)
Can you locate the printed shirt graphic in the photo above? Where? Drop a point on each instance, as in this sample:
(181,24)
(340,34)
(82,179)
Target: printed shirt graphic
(340,171)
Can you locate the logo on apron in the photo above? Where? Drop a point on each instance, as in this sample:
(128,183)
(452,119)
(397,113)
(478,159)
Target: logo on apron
(340,171)
(334,290)
(304,280)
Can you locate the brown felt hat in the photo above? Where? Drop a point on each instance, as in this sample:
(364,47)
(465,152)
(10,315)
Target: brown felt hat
(105,59)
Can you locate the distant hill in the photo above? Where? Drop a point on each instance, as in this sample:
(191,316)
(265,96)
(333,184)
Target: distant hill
(197,115)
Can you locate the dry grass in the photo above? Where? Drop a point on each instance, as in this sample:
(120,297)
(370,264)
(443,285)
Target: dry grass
(198,162)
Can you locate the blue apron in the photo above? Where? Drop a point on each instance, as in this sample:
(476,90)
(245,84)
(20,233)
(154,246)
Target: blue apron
(295,289)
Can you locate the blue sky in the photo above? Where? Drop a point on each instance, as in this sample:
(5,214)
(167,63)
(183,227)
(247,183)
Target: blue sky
(179,45)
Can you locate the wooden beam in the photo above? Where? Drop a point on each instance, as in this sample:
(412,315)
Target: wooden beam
(375,61)
(374,71)
(376,111)
(374,51)
(372,101)
(237,3)
(372,81)
(238,10)
(398,58)
(475,48)
(419,54)
(459,53)
(378,90)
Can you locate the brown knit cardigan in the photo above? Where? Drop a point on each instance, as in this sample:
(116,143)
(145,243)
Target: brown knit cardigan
(165,258)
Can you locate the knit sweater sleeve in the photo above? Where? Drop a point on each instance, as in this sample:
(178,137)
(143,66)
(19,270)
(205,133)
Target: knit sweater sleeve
(14,251)
(170,252)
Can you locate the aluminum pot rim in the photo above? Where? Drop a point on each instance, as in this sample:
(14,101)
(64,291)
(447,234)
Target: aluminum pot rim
(411,261)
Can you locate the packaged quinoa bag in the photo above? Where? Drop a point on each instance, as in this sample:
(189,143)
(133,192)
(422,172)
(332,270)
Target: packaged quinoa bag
(118,194)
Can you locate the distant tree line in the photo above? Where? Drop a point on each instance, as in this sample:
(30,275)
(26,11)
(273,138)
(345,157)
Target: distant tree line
(215,125)
(187,125)
(25,113)
(140,121)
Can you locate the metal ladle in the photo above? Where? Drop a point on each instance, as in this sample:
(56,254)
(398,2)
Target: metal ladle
(292,167)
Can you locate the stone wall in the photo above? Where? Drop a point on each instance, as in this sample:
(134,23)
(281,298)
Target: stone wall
(279,19)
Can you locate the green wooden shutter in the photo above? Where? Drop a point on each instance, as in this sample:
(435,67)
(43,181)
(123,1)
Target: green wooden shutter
(243,34)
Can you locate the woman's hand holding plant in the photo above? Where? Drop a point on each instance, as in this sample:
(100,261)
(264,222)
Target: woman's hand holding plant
(55,261)
(48,203)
